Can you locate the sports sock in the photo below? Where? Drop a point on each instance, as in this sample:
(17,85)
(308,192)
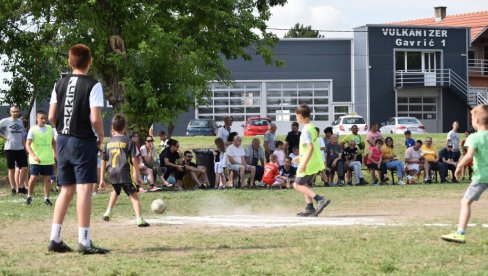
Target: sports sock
(309,206)
(317,198)
(55,232)
(46,198)
(108,211)
(84,236)
(461,232)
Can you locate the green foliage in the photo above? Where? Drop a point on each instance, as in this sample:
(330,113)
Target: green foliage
(300,31)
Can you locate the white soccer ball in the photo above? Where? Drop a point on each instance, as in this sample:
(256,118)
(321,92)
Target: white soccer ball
(158,206)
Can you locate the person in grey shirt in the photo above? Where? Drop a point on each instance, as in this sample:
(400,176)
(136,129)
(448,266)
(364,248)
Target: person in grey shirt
(269,140)
(12,130)
(254,156)
(453,139)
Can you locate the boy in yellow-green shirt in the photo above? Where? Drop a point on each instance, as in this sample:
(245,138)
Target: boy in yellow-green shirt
(477,144)
(310,163)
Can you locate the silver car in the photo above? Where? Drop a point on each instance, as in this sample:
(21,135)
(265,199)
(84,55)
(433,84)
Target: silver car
(398,125)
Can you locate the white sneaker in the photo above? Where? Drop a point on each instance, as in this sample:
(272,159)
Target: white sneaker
(400,182)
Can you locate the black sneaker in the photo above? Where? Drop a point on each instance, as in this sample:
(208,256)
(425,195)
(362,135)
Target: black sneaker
(48,202)
(13,192)
(321,204)
(28,201)
(59,247)
(23,190)
(306,213)
(363,182)
(349,183)
(92,249)
(143,224)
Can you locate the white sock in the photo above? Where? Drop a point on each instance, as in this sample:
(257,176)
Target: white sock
(55,232)
(46,197)
(84,236)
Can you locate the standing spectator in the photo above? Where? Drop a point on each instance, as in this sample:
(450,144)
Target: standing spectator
(279,152)
(430,154)
(224,130)
(415,161)
(334,160)
(409,141)
(255,156)
(469,165)
(322,144)
(359,142)
(269,140)
(41,148)
(272,175)
(350,158)
(373,135)
(163,140)
(446,156)
(12,130)
(76,113)
(169,161)
(288,172)
(236,162)
(391,161)
(453,139)
(219,163)
(292,138)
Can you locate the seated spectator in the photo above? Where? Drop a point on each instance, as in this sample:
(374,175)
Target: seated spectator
(374,161)
(349,156)
(170,158)
(134,136)
(280,152)
(288,172)
(391,161)
(359,142)
(197,173)
(470,164)
(236,161)
(293,155)
(254,156)
(415,161)
(148,160)
(163,140)
(334,160)
(230,138)
(219,164)
(430,154)
(446,156)
(271,175)
(409,141)
(269,140)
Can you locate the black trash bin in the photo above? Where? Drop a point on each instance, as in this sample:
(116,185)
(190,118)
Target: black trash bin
(205,158)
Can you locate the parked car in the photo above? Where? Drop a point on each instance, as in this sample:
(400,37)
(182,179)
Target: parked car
(344,123)
(399,125)
(256,126)
(202,127)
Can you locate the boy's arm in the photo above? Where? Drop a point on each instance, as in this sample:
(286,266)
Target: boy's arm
(137,172)
(53,144)
(30,151)
(97,122)
(468,157)
(103,165)
(304,162)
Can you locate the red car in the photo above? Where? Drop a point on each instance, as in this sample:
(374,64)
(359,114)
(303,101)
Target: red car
(256,126)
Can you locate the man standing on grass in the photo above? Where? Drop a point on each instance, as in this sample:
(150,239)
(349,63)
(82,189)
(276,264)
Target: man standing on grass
(75,112)
(12,130)
(310,164)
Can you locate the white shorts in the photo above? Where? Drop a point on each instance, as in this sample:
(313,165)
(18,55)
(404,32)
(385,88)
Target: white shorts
(413,167)
(218,167)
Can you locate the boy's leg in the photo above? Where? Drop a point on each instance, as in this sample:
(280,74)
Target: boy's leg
(464,214)
(32,185)
(47,189)
(310,195)
(252,171)
(61,207)
(136,205)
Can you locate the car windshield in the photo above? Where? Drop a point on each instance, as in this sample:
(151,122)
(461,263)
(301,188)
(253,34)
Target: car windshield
(198,123)
(353,121)
(260,122)
(407,121)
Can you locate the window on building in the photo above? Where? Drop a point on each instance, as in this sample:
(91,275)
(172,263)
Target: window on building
(422,108)
(414,61)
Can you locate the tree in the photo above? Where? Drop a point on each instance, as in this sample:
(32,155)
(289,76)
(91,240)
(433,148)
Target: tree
(156,57)
(302,32)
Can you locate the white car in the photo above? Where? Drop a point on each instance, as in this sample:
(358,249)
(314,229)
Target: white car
(398,125)
(344,123)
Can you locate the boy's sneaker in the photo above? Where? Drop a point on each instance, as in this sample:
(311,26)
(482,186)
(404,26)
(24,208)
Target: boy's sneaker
(48,202)
(91,249)
(400,182)
(155,189)
(427,180)
(321,204)
(59,247)
(106,216)
(142,223)
(454,237)
(306,213)
(340,183)
(28,200)
(363,182)
(13,192)
(23,190)
(349,183)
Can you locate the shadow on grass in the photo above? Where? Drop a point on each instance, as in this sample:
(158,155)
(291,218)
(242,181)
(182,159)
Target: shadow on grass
(222,247)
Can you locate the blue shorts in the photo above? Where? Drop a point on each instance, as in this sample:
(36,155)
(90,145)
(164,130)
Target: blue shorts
(77,160)
(44,170)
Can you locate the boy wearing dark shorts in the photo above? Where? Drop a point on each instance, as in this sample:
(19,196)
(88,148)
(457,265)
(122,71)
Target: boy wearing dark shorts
(115,160)
(41,148)
(75,112)
(310,163)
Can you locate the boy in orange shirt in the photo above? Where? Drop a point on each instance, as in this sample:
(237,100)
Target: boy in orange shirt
(271,176)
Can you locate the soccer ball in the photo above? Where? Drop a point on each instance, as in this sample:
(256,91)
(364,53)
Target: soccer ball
(158,206)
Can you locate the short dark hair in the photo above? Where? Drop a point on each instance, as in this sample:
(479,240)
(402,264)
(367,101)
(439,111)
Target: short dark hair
(172,142)
(374,124)
(407,132)
(295,124)
(161,133)
(79,56)
(186,152)
(133,133)
(419,141)
(231,136)
(288,158)
(41,112)
(119,123)
(378,141)
(278,143)
(303,110)
(328,130)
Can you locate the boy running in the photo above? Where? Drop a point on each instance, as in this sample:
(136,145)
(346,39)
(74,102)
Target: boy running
(310,164)
(477,144)
(76,112)
(41,148)
(117,152)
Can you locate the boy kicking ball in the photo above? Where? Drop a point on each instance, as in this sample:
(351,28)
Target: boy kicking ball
(310,163)
(477,144)
(117,152)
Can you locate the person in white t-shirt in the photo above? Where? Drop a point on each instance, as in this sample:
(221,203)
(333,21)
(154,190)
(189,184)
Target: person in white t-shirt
(236,161)
(414,161)
(225,130)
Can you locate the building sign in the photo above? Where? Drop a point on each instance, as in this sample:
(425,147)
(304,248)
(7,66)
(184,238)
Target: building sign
(411,37)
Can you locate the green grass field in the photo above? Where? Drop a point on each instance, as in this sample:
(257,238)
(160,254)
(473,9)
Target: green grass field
(403,243)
